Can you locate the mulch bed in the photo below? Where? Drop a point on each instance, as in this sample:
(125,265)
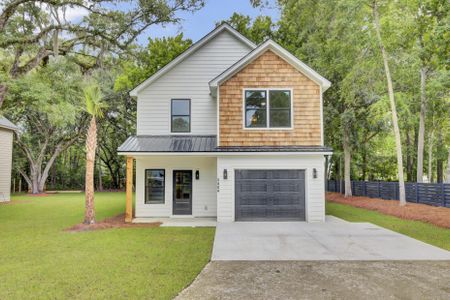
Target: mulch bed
(113,222)
(439,216)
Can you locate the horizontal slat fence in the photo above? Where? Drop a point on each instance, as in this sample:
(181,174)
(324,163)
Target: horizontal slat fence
(437,194)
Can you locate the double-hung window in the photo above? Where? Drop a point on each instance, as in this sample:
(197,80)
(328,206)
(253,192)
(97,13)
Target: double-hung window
(181,115)
(268,108)
(154,186)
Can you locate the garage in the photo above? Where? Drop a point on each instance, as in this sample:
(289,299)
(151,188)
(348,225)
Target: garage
(270,195)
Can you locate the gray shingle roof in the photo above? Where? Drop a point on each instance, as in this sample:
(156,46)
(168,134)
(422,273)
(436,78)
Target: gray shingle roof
(5,123)
(200,143)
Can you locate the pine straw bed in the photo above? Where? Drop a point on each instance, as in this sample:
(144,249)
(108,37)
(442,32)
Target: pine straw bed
(112,222)
(439,216)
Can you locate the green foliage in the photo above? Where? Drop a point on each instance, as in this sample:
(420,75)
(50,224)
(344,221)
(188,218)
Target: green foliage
(44,261)
(93,98)
(54,93)
(158,53)
(257,30)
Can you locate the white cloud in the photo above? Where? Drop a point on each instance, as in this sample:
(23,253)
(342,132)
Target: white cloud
(75,13)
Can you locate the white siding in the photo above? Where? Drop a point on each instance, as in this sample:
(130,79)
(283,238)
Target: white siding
(204,200)
(6,139)
(189,79)
(315,187)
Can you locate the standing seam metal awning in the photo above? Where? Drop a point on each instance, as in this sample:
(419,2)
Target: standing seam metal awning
(201,143)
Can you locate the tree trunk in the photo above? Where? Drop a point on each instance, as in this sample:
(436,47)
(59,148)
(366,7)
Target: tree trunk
(91,144)
(430,157)
(409,161)
(439,158)
(347,163)
(447,176)
(3,90)
(100,179)
(387,71)
(421,138)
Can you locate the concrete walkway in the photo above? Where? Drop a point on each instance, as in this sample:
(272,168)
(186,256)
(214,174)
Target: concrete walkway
(243,280)
(334,239)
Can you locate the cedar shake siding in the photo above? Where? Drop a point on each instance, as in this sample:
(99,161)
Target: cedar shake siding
(270,71)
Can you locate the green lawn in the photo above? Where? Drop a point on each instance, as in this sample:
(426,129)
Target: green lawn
(39,260)
(428,233)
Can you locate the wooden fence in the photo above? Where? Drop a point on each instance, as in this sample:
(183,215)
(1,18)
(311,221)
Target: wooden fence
(437,194)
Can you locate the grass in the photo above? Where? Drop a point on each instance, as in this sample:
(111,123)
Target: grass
(425,232)
(40,260)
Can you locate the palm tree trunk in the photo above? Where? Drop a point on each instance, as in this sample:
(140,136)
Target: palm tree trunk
(91,145)
(421,138)
(387,71)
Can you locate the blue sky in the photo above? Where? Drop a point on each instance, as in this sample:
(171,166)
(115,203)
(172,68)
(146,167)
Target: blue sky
(198,24)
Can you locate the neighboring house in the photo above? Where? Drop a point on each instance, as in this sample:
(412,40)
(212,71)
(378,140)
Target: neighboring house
(6,145)
(230,130)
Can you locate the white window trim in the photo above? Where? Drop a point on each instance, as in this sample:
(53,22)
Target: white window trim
(268,108)
(190,117)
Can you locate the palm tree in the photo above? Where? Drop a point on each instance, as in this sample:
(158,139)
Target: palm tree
(94,106)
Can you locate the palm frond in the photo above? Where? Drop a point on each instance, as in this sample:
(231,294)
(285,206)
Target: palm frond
(93,97)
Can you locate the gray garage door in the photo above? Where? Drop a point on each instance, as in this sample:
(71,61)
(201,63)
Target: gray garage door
(270,195)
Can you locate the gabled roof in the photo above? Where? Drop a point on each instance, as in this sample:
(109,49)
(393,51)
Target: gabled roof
(283,53)
(5,123)
(189,51)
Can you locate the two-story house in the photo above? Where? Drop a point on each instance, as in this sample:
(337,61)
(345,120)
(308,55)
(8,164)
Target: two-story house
(232,130)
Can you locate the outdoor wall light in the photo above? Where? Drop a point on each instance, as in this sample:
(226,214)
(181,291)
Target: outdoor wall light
(197,174)
(314,173)
(225,174)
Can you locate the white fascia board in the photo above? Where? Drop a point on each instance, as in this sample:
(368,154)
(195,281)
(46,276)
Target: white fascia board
(134,92)
(214,154)
(283,53)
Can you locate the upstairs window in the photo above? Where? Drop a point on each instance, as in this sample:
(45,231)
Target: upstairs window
(271,108)
(181,115)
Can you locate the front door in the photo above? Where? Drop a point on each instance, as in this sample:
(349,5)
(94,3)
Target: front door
(182,192)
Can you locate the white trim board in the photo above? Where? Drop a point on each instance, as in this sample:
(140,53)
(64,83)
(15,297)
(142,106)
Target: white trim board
(224,26)
(283,53)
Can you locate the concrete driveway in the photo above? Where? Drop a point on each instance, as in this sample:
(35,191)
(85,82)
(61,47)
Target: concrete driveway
(334,239)
(245,280)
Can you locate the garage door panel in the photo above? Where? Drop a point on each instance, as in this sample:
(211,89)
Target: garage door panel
(283,186)
(261,199)
(270,195)
(247,186)
(286,199)
(286,174)
(251,174)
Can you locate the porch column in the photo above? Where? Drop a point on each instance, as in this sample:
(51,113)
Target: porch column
(129,191)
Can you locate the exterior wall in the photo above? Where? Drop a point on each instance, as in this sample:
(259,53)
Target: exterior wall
(269,70)
(6,140)
(314,187)
(189,80)
(204,196)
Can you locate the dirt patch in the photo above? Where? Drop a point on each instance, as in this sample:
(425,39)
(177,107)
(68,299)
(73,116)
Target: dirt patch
(439,216)
(113,222)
